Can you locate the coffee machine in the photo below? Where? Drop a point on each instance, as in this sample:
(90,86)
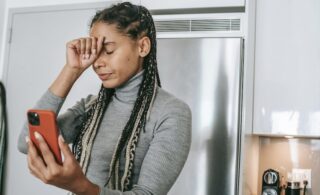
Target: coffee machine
(270,182)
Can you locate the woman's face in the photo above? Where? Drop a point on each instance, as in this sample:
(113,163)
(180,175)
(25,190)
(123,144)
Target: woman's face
(119,59)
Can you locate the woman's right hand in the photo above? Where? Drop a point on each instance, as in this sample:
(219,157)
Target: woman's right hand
(82,52)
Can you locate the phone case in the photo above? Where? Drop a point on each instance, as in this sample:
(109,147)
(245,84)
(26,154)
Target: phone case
(44,122)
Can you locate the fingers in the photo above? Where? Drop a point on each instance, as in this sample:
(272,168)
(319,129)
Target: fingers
(45,151)
(82,46)
(78,46)
(69,176)
(68,155)
(87,45)
(82,52)
(74,45)
(93,45)
(88,48)
(45,168)
(35,162)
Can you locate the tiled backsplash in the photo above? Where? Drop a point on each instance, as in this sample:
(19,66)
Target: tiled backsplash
(284,154)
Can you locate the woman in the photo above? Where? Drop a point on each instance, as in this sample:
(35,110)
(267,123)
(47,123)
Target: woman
(133,137)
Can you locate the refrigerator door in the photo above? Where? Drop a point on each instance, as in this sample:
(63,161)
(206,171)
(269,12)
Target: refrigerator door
(206,74)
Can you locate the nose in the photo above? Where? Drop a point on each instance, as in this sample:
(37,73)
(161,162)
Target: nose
(99,62)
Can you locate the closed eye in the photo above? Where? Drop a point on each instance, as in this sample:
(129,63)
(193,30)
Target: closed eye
(109,47)
(109,52)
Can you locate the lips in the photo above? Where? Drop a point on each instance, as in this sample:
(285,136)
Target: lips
(104,76)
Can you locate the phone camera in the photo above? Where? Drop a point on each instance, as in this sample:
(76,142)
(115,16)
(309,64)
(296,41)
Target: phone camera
(33,118)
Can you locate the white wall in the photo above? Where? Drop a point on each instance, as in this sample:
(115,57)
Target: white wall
(2,15)
(2,29)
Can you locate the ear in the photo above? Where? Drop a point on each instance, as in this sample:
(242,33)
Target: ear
(144,46)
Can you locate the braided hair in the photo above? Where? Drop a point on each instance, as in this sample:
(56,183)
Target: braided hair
(134,21)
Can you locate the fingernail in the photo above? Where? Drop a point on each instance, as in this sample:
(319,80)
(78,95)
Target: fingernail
(27,139)
(61,138)
(37,135)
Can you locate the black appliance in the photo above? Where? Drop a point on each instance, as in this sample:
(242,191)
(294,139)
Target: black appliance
(270,182)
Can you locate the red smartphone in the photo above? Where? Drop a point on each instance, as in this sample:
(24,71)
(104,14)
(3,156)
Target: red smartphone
(44,122)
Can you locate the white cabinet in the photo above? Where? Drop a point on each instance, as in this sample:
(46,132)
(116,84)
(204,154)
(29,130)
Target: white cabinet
(181,4)
(287,68)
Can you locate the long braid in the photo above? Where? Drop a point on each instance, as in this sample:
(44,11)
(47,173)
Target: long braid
(135,21)
(89,127)
(142,106)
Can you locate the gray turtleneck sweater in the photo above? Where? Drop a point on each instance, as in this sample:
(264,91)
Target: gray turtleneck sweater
(161,151)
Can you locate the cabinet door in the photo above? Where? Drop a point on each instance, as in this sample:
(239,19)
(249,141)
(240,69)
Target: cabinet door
(287,68)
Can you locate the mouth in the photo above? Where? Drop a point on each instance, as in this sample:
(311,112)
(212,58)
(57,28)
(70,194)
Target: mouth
(104,76)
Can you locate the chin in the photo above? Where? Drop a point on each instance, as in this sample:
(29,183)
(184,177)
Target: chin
(110,85)
(107,85)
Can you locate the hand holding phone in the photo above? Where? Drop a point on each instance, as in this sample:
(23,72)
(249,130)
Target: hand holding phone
(44,122)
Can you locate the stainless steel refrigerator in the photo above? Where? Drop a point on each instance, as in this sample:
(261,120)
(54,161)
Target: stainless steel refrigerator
(206,73)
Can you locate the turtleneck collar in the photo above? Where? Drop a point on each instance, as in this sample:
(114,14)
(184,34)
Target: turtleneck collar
(128,91)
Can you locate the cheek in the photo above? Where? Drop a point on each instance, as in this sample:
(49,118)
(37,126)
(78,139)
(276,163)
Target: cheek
(124,62)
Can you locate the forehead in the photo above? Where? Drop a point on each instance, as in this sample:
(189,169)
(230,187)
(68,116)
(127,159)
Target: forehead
(103,29)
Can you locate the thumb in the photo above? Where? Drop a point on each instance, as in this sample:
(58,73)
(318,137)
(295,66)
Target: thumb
(66,152)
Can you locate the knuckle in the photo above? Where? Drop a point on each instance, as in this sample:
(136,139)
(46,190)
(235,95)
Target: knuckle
(54,173)
(77,41)
(47,178)
(73,42)
(30,168)
(31,172)
(45,181)
(30,161)
(44,150)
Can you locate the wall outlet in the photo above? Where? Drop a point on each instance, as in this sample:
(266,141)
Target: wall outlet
(301,175)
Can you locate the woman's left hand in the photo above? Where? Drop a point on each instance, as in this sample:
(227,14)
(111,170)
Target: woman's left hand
(68,176)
